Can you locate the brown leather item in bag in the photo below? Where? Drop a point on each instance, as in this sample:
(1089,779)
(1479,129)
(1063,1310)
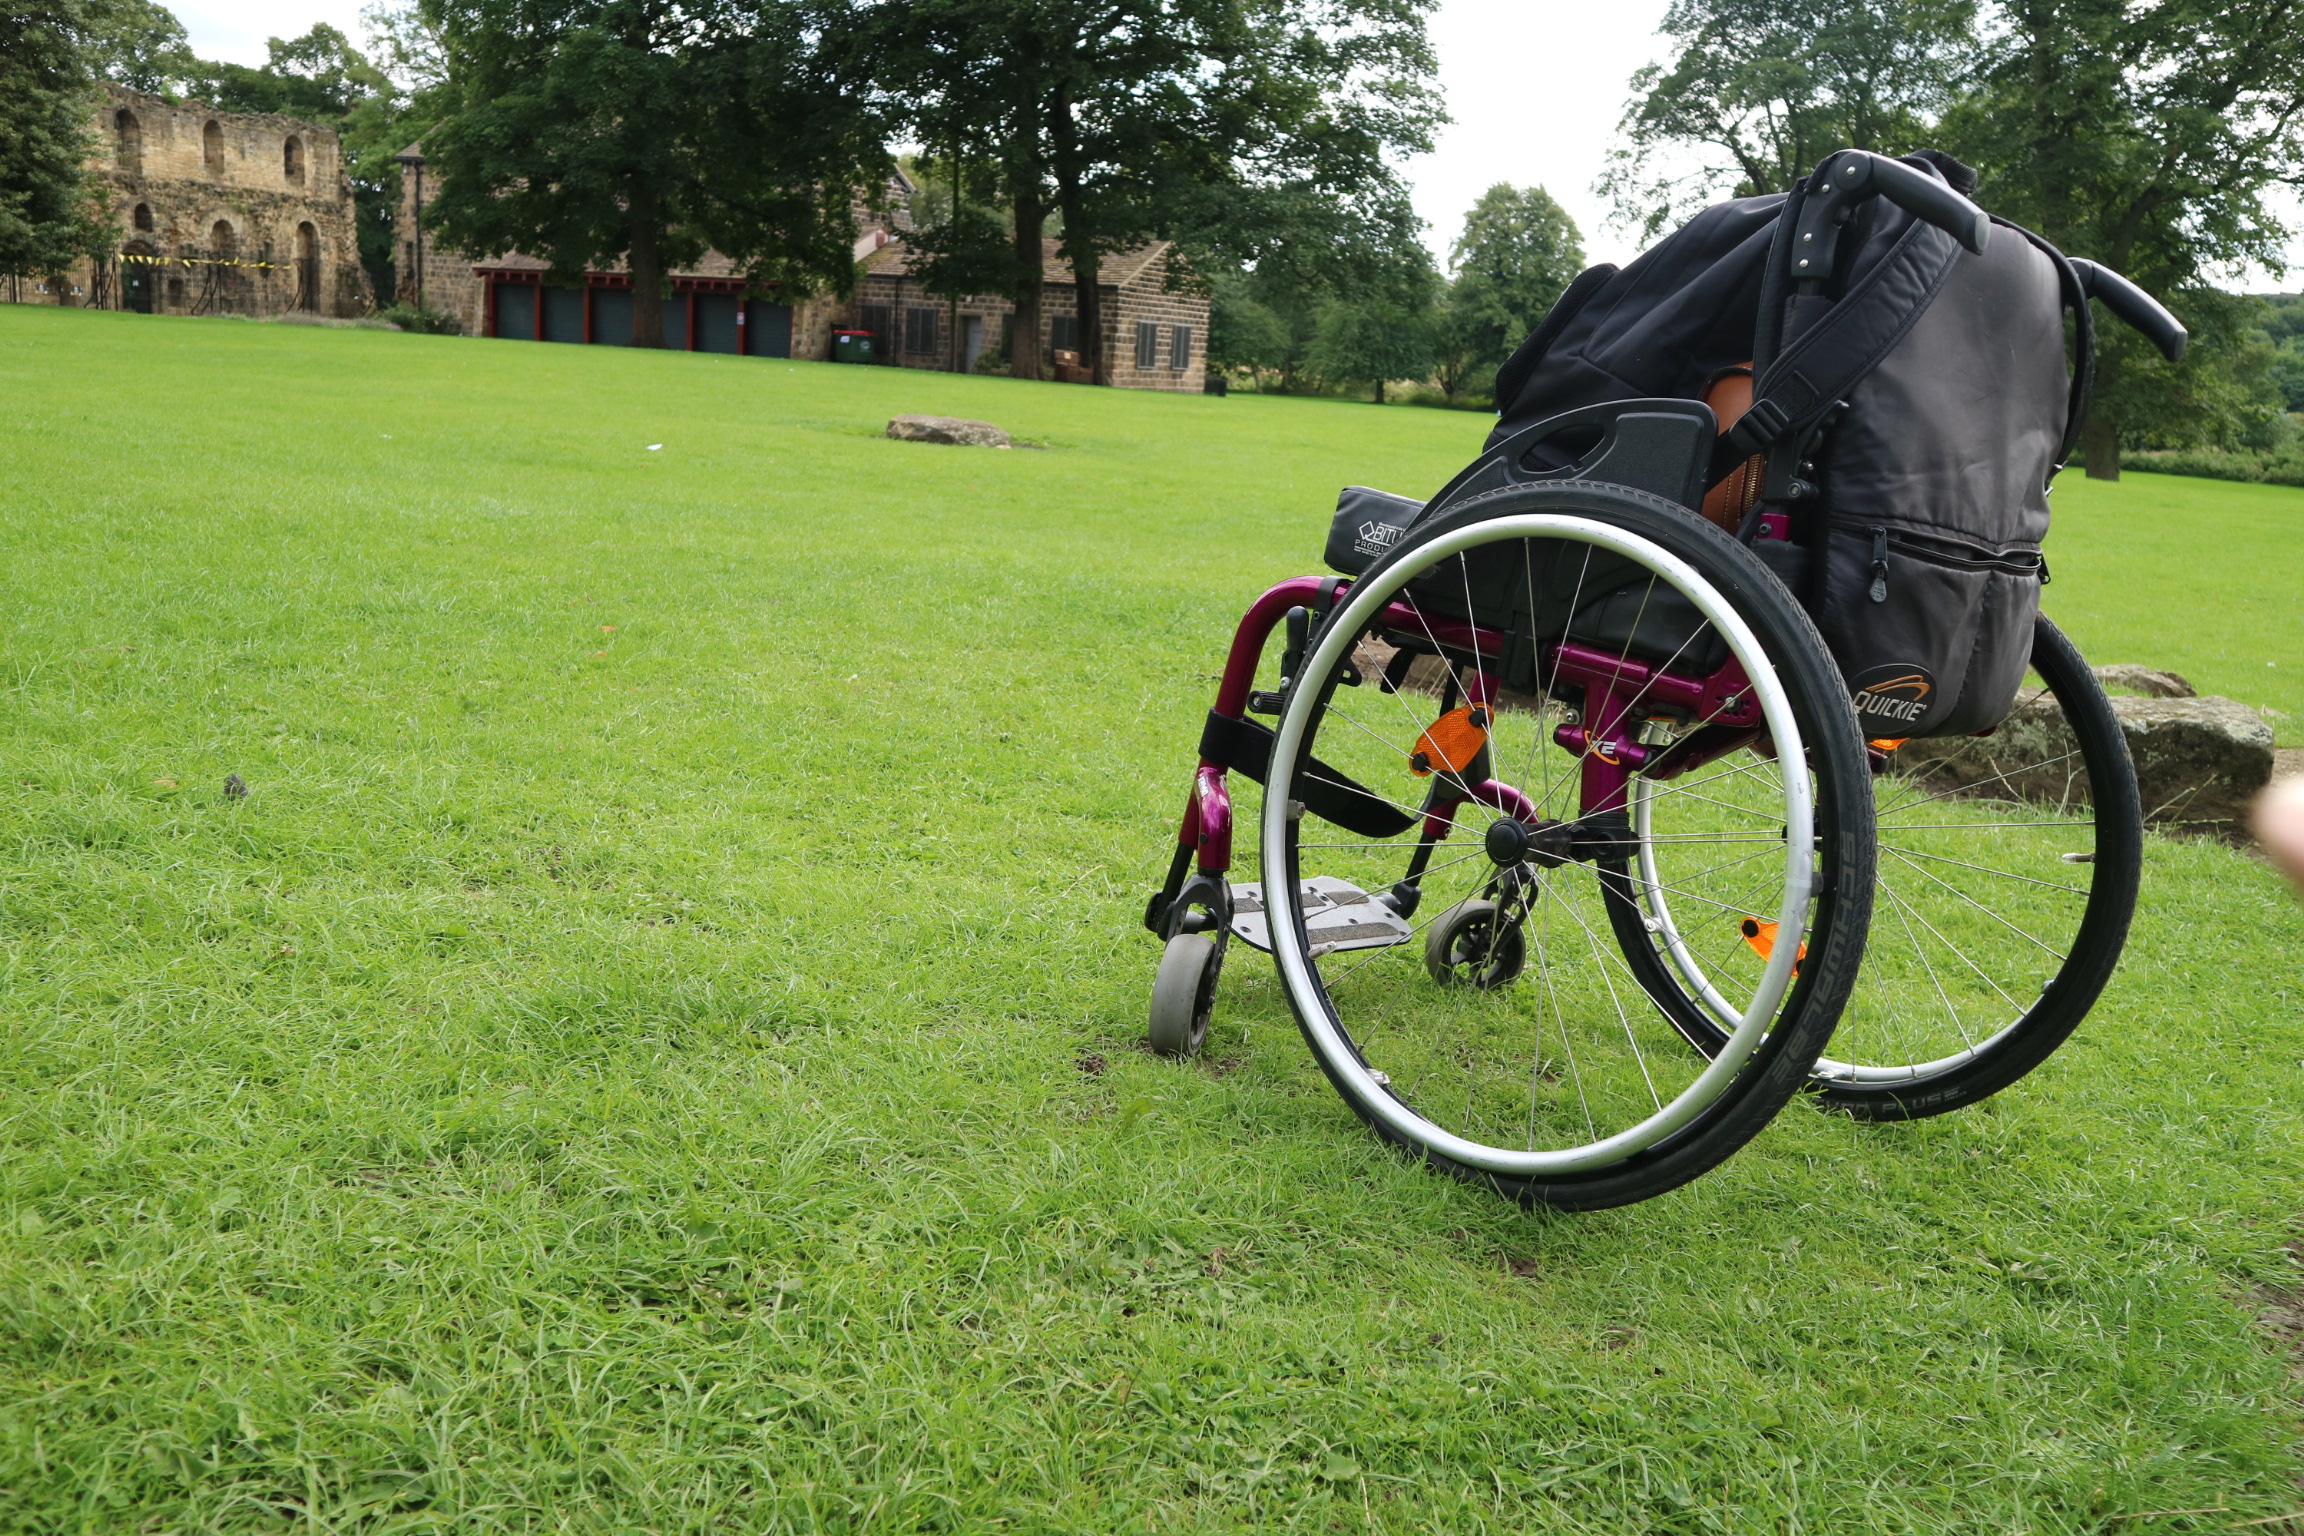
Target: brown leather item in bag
(1730,396)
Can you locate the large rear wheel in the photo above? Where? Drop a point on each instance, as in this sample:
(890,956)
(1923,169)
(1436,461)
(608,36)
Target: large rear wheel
(1571,632)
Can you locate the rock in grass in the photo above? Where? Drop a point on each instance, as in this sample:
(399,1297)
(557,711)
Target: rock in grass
(2149,681)
(2199,762)
(957,430)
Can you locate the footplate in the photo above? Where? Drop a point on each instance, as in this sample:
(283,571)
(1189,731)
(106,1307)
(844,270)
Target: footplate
(1337,916)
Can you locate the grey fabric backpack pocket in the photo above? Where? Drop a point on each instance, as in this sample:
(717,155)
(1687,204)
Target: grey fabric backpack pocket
(1932,634)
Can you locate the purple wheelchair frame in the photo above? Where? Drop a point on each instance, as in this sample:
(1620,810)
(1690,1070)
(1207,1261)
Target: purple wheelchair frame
(1661,447)
(1602,738)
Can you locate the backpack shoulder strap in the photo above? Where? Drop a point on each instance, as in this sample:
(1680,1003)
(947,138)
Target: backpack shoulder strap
(1817,367)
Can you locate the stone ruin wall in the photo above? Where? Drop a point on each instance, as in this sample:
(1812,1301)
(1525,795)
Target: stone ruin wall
(212,209)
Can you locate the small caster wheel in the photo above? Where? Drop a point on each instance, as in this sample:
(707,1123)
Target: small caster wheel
(1184,994)
(1462,949)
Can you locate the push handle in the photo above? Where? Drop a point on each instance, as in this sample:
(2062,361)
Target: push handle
(2135,306)
(1857,173)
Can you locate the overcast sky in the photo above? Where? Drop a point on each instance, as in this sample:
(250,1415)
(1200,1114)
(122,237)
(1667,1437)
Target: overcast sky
(1535,88)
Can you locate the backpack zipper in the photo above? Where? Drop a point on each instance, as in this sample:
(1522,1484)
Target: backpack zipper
(1949,553)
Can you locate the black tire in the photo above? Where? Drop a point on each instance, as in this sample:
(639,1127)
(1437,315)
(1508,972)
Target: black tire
(2112,831)
(2118,851)
(1778,1066)
(1463,948)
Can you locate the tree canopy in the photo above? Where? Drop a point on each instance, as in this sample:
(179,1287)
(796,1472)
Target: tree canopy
(1762,90)
(1252,132)
(1518,252)
(645,131)
(48,216)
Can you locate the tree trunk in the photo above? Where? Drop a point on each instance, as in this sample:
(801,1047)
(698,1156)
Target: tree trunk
(2100,449)
(1025,356)
(1079,240)
(959,357)
(1088,302)
(647,268)
(1379,391)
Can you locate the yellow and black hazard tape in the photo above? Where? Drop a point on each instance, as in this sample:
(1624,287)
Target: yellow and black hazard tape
(205,261)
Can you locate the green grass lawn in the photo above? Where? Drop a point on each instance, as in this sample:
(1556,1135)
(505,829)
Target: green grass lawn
(652,1051)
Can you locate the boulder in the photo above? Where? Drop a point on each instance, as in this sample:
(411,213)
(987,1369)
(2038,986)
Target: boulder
(957,430)
(2149,681)
(2199,762)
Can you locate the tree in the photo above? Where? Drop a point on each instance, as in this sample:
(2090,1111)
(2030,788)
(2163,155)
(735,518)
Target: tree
(1197,121)
(2282,318)
(141,45)
(2148,139)
(48,215)
(1380,335)
(1519,251)
(1244,333)
(645,131)
(1762,90)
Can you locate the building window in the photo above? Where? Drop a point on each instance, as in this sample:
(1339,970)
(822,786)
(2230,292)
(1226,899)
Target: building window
(144,216)
(212,148)
(222,243)
(1179,347)
(292,158)
(1064,333)
(1147,344)
(880,320)
(919,328)
(130,134)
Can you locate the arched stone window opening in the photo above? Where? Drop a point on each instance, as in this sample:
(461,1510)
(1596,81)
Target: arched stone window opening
(223,243)
(143,217)
(212,147)
(307,267)
(129,134)
(292,159)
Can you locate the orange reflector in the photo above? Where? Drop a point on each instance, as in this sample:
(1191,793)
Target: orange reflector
(1887,743)
(1451,742)
(1762,937)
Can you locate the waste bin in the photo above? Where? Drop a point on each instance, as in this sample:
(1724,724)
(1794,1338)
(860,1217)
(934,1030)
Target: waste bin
(852,347)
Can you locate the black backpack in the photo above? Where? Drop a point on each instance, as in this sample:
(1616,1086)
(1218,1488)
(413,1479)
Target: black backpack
(1911,402)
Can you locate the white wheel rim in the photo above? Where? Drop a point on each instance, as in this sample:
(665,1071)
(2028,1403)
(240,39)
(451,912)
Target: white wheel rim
(1302,982)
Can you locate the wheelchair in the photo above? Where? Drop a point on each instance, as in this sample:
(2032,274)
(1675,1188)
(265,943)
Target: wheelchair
(1575,856)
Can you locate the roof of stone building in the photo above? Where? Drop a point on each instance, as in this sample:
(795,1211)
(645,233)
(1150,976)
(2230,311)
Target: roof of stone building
(713,265)
(1118,270)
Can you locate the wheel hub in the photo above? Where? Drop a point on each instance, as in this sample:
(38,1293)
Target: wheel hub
(1547,844)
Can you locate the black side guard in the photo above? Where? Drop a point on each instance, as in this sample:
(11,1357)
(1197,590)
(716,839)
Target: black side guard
(1663,447)
(1243,746)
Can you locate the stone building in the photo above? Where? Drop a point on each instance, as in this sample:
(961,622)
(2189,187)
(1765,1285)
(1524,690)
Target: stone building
(1153,338)
(220,213)
(712,307)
